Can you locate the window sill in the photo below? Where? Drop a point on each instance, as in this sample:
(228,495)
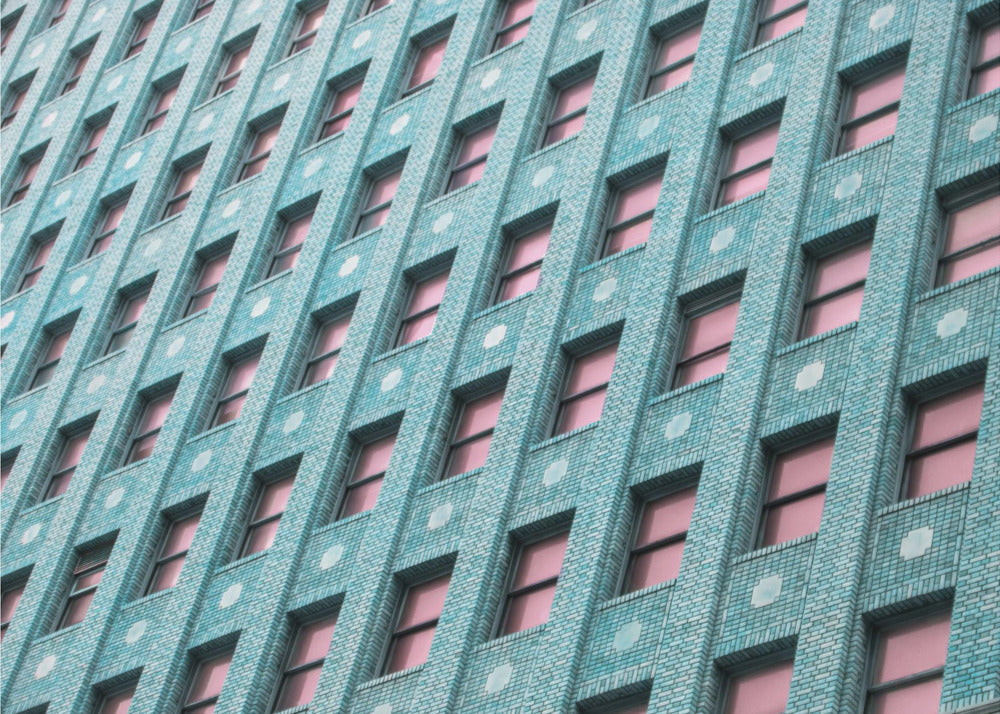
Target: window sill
(122,62)
(162,222)
(216,98)
(911,502)
(239,184)
(16,295)
(770,43)
(373,13)
(941,289)
(403,100)
(124,469)
(584,8)
(67,177)
(303,390)
(41,506)
(767,550)
(359,237)
(402,348)
(267,281)
(105,358)
(611,258)
(442,483)
(137,140)
(635,595)
(731,207)
(183,321)
(295,710)
(390,677)
(451,194)
(656,97)
(834,160)
(562,437)
(551,147)
(239,562)
(805,342)
(505,639)
(326,527)
(24,396)
(211,432)
(286,60)
(59,633)
(86,261)
(994,93)
(496,53)
(184,27)
(139,602)
(687,388)
(316,146)
(500,305)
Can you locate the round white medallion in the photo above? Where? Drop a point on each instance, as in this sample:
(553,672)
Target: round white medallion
(132,160)
(442,222)
(49,118)
(17,419)
(604,289)
(554,472)
(63,197)
(440,516)
(722,239)
(182,46)
(30,533)
(99,15)
(490,78)
(881,17)
(260,307)
(349,265)
(494,336)
(175,346)
(47,664)
(206,121)
(77,285)
(678,426)
(152,248)
(115,82)
(761,74)
(542,176)
(647,126)
(8,317)
(499,679)
(231,208)
(280,82)
(114,498)
(392,380)
(293,422)
(231,595)
(399,124)
(586,30)
(96,383)
(312,167)
(331,556)
(362,39)
(201,461)
(135,632)
(37,50)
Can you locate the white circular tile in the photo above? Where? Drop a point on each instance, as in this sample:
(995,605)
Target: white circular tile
(362,39)
(554,472)
(30,533)
(201,461)
(392,380)
(206,121)
(952,322)
(312,167)
(494,336)
(135,632)
(153,247)
(47,664)
(49,118)
(261,306)
(37,50)
(499,678)
(605,289)
(280,82)
(114,498)
(399,124)
(331,556)
(230,596)
(678,426)
(881,17)
(252,7)
(442,222)
(385,708)
(231,208)
(17,419)
(293,422)
(95,384)
(77,285)
(440,516)
(761,74)
(847,186)
(626,636)
(349,265)
(490,78)
(115,82)
(647,126)
(175,346)
(7,318)
(982,128)
(722,239)
(132,160)
(63,197)
(99,15)
(586,30)
(183,46)
(809,376)
(542,176)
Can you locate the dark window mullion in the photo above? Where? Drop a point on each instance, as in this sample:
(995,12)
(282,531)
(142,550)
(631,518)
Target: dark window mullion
(748,170)
(532,587)
(812,302)
(474,437)
(942,445)
(672,66)
(909,679)
(629,222)
(556,121)
(705,353)
(783,13)
(968,250)
(873,114)
(585,393)
(798,495)
(366,479)
(519,271)
(655,545)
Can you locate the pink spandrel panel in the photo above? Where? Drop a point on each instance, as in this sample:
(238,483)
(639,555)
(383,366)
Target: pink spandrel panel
(985,80)
(374,457)
(753,149)
(480,415)
(801,468)
(841,269)
(428,293)
(573,98)
(656,566)
(710,330)
(868,132)
(678,47)
(920,698)
(241,375)
(313,641)
(591,370)
(564,130)
(581,411)
(973,224)
(209,679)
(941,469)
(384,189)
(470,455)
(424,603)
(261,537)
(166,575)
(155,413)
(520,284)
(117,703)
(298,688)
(746,185)
(762,692)
(530,248)
(875,94)
(624,238)
(793,519)
(702,368)
(476,144)
(361,498)
(637,199)
(529,610)
(428,62)
(274,498)
(181,535)
(833,313)
(783,26)
(540,560)
(972,264)
(666,517)
(948,416)
(332,335)
(411,650)
(516,11)
(916,646)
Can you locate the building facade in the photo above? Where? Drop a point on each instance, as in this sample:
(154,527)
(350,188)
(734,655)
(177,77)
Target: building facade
(720,279)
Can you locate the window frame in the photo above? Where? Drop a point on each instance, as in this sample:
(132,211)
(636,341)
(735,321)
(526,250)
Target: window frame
(54,471)
(499,29)
(79,60)
(51,364)
(849,87)
(297,37)
(615,194)
(567,373)
(311,357)
(661,39)
(152,114)
(979,30)
(757,664)
(101,233)
(643,502)
(174,197)
(221,653)
(72,594)
(454,167)
(118,327)
(249,158)
(760,21)
(106,696)
(505,273)
(695,309)
(285,224)
(404,318)
(358,446)
(288,669)
(7,28)
(18,584)
(16,93)
(26,174)
(225,77)
(514,565)
(328,117)
(369,7)
(264,482)
(809,278)
(461,404)
(85,153)
(30,270)
(136,436)
(960,202)
(57,12)
(159,560)
(136,43)
(197,7)
(727,150)
(221,398)
(365,209)
(420,45)
(551,121)
(395,633)
(195,292)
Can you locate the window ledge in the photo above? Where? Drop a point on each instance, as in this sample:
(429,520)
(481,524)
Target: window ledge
(303,390)
(687,388)
(611,258)
(137,140)
(287,59)
(493,55)
(124,469)
(402,348)
(326,527)
(315,146)
(86,261)
(59,633)
(731,207)
(803,343)
(162,222)
(500,305)
(442,483)
(216,98)
(359,237)
(363,18)
(104,358)
(12,298)
(23,396)
(267,281)
(239,562)
(41,506)
(833,161)
(767,550)
(192,23)
(390,677)
(239,184)
(562,437)
(67,177)
(582,9)
(409,97)
(635,595)
(183,321)
(295,710)
(452,194)
(770,43)
(656,97)
(994,93)
(211,432)
(911,502)
(941,289)
(551,147)
(139,602)
(122,62)
(505,639)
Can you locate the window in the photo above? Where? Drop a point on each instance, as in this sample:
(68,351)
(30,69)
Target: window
(46,368)
(513,23)
(6,466)
(870,110)
(586,387)
(761,691)
(208,282)
(304,663)
(325,350)
(110,221)
(206,684)
(568,111)
(8,605)
(259,151)
(415,625)
(125,322)
(705,350)
(373,5)
(90,146)
(234,391)
(748,165)
(117,703)
(39,257)
(13,102)
(418,322)
(658,543)
(231,68)
(797,489)
(173,551)
(426,65)
(673,61)
(77,63)
(632,216)
(286,253)
(186,179)
(59,8)
(201,8)
(470,157)
(908,666)
(159,107)
(984,75)
(306,28)
(779,17)
(341,108)
(147,429)
(86,576)
(971,240)
(143,26)
(631,705)
(523,264)
(270,505)
(473,432)
(533,584)
(367,472)
(836,288)
(378,202)
(7,28)
(943,445)
(62,470)
(29,167)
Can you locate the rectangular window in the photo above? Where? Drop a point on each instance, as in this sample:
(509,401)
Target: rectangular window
(473,432)
(119,702)
(8,605)
(65,466)
(7,28)
(184,185)
(381,192)
(147,429)
(416,622)
(523,264)
(325,350)
(259,151)
(286,252)
(208,282)
(200,9)
(126,321)
(705,349)
(232,65)
(673,61)
(49,360)
(908,666)
(533,584)
(373,5)
(105,233)
(943,445)
(206,684)
(13,103)
(143,26)
(630,705)
(762,690)
(836,288)
(870,110)
(426,65)
(748,165)
(971,240)
(586,387)
(159,107)
(59,8)
(234,391)
(29,167)
(796,492)
(77,63)
(306,28)
(779,17)
(341,108)
(568,111)
(268,509)
(6,466)
(470,157)
(367,473)
(632,214)
(89,146)
(86,576)
(984,75)
(33,267)
(304,662)
(422,309)
(658,543)
(173,550)
(514,22)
